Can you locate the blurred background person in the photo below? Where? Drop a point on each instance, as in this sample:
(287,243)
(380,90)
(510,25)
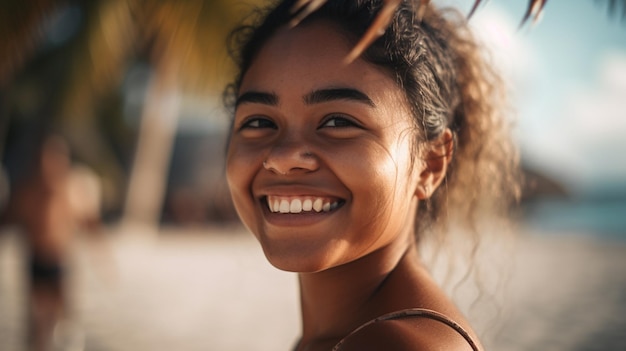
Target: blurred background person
(49,206)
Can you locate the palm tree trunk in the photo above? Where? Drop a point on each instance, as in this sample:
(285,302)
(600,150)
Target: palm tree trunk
(148,178)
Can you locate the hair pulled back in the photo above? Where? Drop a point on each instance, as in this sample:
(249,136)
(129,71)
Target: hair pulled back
(447,82)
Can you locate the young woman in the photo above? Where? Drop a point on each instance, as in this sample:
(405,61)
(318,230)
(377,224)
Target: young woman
(340,168)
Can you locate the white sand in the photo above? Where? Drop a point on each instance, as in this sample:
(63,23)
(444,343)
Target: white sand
(212,289)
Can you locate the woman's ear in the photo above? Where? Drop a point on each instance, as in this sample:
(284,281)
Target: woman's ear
(437,156)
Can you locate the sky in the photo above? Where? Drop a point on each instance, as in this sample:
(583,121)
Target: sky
(568,85)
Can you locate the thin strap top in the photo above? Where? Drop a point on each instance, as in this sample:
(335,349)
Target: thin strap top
(415,312)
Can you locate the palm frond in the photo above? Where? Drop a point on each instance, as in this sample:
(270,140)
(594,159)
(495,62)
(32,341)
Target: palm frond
(533,11)
(535,7)
(613,8)
(474,8)
(20,31)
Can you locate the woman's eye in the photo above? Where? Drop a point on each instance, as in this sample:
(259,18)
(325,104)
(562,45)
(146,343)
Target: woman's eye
(338,122)
(258,123)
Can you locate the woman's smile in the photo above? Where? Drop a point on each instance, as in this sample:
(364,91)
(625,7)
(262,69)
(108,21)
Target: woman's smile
(301,204)
(298,212)
(297,205)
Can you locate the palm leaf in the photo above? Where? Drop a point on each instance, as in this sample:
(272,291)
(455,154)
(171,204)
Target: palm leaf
(19,32)
(613,8)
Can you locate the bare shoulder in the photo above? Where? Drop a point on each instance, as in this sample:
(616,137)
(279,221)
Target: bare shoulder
(416,334)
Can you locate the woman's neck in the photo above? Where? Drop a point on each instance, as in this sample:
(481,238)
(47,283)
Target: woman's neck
(337,300)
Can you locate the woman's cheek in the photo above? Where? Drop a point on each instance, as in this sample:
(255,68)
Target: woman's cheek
(236,176)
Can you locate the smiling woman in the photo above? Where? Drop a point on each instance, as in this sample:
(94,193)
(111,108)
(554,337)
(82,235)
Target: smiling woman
(337,168)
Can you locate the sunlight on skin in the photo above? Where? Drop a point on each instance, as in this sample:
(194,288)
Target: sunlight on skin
(303,8)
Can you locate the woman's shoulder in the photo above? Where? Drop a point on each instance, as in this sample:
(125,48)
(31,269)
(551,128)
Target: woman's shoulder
(409,330)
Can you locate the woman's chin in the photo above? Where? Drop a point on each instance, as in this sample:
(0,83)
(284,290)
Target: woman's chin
(298,263)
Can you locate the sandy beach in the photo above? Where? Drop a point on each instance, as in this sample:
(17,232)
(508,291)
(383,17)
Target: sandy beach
(212,289)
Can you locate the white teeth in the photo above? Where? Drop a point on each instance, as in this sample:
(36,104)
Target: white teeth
(284,206)
(296,206)
(317,205)
(307,205)
(299,205)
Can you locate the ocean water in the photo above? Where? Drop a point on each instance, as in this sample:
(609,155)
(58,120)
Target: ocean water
(604,218)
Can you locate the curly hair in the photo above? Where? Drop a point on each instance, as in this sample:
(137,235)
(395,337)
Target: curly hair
(448,84)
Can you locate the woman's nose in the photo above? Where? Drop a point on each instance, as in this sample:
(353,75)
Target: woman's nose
(291,157)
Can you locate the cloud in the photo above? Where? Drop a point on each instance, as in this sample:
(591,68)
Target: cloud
(596,121)
(508,48)
(584,142)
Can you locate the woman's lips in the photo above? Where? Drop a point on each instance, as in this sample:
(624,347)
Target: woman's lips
(301,204)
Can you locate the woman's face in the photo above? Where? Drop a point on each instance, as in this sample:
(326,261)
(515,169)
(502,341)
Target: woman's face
(319,160)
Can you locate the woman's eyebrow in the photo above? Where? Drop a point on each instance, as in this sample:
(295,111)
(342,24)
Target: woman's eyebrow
(257,97)
(324,95)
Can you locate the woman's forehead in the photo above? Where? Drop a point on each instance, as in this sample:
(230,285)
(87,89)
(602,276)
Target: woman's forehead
(312,57)
(303,49)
